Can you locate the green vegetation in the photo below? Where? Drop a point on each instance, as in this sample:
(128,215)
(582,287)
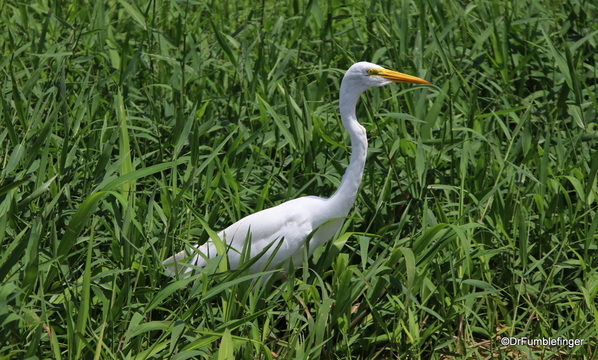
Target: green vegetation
(129,127)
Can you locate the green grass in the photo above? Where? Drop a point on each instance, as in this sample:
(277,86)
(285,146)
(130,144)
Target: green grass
(128,129)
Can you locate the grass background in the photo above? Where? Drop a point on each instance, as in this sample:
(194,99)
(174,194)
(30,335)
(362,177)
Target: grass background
(128,128)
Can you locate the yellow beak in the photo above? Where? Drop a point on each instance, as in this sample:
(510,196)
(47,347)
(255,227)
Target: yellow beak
(397,76)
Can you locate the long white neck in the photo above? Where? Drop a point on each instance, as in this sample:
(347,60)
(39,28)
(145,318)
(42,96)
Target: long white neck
(342,200)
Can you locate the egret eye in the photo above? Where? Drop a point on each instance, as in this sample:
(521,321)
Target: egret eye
(373,71)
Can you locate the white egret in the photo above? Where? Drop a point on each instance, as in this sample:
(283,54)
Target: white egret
(293,221)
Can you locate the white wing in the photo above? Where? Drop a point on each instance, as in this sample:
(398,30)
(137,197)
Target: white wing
(290,222)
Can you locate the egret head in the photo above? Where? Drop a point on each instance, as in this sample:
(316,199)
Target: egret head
(364,75)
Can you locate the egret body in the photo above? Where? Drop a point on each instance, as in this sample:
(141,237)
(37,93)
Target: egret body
(293,221)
